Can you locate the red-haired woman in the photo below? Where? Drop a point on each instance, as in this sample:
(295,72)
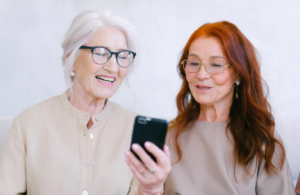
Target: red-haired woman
(223,140)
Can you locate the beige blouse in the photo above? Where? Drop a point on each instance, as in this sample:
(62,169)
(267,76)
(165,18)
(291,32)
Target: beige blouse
(49,150)
(207,166)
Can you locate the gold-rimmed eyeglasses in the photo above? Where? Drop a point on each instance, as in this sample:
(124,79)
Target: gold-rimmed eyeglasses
(212,67)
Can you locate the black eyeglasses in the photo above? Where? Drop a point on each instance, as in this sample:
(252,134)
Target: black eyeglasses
(101,55)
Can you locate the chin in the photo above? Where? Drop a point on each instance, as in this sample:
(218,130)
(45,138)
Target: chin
(103,94)
(204,101)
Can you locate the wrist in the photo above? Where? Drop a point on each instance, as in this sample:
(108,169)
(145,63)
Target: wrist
(154,191)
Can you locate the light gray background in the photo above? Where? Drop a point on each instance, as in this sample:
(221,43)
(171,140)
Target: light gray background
(31,33)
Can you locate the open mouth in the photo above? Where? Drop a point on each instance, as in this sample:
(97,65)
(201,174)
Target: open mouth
(203,87)
(105,79)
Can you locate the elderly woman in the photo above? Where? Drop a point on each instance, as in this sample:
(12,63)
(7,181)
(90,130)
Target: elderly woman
(74,143)
(223,140)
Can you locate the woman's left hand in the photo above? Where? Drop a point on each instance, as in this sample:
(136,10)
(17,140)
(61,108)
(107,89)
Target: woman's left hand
(150,175)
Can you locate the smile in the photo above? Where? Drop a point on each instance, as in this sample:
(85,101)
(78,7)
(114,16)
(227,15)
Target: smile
(203,87)
(105,79)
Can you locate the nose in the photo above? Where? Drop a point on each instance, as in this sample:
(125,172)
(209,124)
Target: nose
(202,73)
(112,65)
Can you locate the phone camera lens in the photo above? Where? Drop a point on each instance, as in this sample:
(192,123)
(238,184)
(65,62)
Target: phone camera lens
(142,121)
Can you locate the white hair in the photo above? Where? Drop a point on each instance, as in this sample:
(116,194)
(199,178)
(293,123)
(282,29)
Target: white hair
(83,27)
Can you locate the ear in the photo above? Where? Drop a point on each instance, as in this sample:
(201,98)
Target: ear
(238,79)
(67,56)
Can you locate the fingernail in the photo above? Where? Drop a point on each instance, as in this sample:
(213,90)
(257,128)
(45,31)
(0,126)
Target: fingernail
(147,144)
(134,146)
(126,153)
(167,147)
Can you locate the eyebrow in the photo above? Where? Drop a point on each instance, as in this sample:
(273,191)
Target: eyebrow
(195,55)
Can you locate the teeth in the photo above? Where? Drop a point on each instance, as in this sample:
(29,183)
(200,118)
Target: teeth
(106,79)
(203,87)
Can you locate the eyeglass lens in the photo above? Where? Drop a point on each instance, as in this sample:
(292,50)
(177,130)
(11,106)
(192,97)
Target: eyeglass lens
(102,55)
(215,66)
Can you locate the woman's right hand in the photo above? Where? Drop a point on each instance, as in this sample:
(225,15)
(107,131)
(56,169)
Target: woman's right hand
(150,175)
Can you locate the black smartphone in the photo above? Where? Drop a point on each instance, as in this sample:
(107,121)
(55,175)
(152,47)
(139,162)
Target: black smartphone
(149,129)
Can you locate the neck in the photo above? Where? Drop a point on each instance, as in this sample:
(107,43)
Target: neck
(215,112)
(87,103)
(211,113)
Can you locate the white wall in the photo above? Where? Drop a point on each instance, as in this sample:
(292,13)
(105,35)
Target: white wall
(31,33)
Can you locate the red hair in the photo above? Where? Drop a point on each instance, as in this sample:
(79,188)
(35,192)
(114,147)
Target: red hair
(251,122)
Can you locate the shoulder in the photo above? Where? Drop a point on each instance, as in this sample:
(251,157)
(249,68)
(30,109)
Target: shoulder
(39,109)
(279,152)
(172,130)
(120,120)
(117,110)
(187,131)
(280,181)
(119,116)
(30,117)
(172,136)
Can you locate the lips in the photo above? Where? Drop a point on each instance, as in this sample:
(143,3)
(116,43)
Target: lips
(203,87)
(105,79)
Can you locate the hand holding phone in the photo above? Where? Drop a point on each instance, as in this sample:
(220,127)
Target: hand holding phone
(150,172)
(149,129)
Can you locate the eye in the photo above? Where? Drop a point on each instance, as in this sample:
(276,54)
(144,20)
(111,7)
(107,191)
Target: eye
(194,64)
(124,55)
(216,64)
(100,54)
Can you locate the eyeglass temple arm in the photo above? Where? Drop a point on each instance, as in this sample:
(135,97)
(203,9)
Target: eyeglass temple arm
(86,47)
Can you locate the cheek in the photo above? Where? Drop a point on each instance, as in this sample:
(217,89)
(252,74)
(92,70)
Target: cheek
(190,77)
(122,73)
(223,84)
(81,71)
(81,66)
(86,72)
(219,81)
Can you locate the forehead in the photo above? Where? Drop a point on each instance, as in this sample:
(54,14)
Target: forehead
(109,37)
(206,47)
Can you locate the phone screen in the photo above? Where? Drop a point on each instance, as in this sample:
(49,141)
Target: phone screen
(149,129)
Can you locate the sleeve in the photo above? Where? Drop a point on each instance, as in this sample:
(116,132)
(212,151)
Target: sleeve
(275,184)
(134,185)
(13,162)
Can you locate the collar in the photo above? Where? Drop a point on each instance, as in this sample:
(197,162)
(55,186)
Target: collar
(79,114)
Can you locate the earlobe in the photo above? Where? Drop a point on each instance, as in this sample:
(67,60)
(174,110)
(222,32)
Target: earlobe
(237,80)
(72,74)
